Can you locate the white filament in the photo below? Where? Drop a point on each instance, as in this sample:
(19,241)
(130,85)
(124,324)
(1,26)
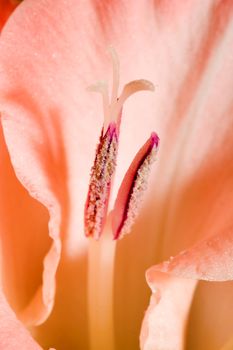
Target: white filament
(101,262)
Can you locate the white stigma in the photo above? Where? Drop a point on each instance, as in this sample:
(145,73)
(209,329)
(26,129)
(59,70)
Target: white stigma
(112,109)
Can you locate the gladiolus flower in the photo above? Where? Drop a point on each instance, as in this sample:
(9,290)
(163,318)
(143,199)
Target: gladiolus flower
(65,274)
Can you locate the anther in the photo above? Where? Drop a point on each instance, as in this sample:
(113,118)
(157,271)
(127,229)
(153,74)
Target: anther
(134,184)
(100,182)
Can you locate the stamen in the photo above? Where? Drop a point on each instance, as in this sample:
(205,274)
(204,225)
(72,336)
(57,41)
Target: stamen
(134,184)
(100,183)
(105,161)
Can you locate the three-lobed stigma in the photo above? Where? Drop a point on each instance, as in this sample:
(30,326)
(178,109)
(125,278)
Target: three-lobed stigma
(129,198)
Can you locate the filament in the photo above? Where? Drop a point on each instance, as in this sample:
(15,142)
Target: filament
(101,257)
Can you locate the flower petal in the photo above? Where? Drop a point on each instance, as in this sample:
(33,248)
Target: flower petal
(13,335)
(209,260)
(46,117)
(194,171)
(24,238)
(165,321)
(41,304)
(192,194)
(228,345)
(210,319)
(49,98)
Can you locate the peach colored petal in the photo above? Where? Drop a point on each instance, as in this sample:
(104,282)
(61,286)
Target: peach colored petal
(45,110)
(209,260)
(192,196)
(210,319)
(42,302)
(194,172)
(13,335)
(165,321)
(200,202)
(55,109)
(228,345)
(24,238)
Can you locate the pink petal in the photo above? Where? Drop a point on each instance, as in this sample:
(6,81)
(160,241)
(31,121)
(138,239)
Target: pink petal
(13,335)
(47,114)
(204,332)
(165,322)
(24,238)
(199,201)
(46,117)
(41,303)
(211,318)
(50,100)
(192,196)
(209,260)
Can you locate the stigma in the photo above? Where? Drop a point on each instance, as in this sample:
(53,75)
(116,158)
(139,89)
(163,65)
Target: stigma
(134,184)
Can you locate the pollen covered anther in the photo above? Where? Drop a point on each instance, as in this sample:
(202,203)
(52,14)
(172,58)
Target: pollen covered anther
(134,184)
(100,182)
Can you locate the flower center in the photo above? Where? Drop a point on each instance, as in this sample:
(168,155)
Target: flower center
(98,224)
(103,170)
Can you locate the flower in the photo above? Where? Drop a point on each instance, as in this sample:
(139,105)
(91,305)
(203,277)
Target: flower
(49,53)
